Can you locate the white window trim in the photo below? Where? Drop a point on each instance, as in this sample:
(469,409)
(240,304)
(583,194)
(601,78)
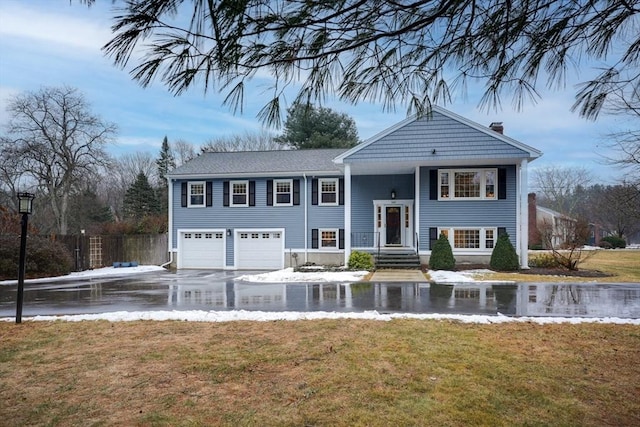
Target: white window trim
(246,194)
(204,194)
(275,192)
(329,248)
(483,238)
(483,184)
(337,192)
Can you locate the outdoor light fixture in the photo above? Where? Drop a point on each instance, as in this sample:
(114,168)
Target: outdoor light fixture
(25,203)
(228,232)
(393,194)
(433,151)
(25,207)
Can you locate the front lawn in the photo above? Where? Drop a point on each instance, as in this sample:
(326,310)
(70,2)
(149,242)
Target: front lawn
(320,373)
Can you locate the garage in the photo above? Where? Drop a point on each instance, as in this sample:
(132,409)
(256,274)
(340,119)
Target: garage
(201,249)
(259,249)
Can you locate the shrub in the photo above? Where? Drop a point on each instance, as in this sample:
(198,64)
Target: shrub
(442,255)
(44,257)
(606,245)
(615,241)
(544,260)
(504,256)
(360,261)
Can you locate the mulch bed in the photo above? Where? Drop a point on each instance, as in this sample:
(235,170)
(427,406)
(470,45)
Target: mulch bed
(541,271)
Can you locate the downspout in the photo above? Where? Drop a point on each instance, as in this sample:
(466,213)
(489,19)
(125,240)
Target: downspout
(306,213)
(169,222)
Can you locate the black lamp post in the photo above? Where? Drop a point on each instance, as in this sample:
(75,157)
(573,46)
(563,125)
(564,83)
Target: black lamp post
(25,207)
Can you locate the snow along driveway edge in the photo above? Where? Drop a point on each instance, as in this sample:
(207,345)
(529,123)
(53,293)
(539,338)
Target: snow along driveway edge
(268,316)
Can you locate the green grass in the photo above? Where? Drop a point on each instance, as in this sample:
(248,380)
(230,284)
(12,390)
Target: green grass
(328,372)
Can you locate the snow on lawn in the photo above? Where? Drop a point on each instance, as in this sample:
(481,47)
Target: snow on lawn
(443,276)
(264,316)
(288,275)
(88,274)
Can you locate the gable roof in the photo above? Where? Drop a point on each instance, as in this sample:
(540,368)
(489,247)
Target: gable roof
(257,163)
(453,137)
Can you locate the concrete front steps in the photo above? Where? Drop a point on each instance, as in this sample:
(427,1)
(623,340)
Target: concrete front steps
(403,260)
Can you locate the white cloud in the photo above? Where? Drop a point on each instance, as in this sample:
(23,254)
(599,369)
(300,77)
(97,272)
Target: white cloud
(79,29)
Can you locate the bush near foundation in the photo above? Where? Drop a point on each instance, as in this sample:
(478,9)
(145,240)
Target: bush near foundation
(44,257)
(360,261)
(504,256)
(442,255)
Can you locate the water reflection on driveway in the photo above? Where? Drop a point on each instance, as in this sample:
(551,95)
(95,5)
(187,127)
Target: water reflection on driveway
(200,290)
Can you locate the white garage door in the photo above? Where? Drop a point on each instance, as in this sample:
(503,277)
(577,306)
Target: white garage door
(260,250)
(201,249)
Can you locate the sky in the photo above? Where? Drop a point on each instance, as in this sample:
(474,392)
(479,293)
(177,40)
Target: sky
(57,42)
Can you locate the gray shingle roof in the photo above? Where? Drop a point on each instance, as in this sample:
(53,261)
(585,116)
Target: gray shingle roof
(245,163)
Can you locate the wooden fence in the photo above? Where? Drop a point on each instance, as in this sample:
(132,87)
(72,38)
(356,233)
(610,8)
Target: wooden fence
(102,251)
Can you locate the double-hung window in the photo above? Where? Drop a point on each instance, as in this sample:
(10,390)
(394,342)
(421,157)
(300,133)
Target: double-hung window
(468,238)
(239,193)
(467,184)
(283,189)
(196,194)
(328,239)
(328,192)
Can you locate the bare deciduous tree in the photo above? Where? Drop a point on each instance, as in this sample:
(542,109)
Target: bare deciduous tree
(53,137)
(183,151)
(247,141)
(558,186)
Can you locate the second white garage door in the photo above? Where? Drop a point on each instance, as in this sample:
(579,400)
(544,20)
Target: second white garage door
(259,250)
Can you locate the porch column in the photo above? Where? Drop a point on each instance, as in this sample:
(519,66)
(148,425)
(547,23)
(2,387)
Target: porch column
(416,209)
(347,213)
(524,216)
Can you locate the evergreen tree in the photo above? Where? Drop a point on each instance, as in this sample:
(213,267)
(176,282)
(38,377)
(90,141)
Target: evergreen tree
(504,256)
(165,162)
(442,255)
(318,127)
(141,199)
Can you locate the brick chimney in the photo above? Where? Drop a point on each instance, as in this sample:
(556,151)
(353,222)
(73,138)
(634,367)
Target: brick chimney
(497,127)
(535,240)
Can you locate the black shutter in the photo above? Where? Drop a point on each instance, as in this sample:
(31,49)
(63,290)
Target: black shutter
(433,184)
(183,200)
(269,192)
(341,238)
(314,238)
(314,191)
(296,191)
(209,193)
(433,236)
(252,193)
(225,193)
(502,183)
(341,191)
(501,231)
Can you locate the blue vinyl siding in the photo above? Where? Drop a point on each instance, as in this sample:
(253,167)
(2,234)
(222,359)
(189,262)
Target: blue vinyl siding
(481,213)
(451,140)
(366,188)
(290,218)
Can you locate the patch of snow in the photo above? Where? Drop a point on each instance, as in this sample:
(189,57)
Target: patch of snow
(264,316)
(444,276)
(87,274)
(287,275)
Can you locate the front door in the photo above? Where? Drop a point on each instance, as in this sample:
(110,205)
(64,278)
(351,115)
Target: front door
(394,226)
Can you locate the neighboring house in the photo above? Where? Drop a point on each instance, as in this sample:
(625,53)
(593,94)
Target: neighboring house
(548,228)
(396,191)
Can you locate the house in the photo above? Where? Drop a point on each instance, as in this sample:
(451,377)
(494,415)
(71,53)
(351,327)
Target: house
(397,191)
